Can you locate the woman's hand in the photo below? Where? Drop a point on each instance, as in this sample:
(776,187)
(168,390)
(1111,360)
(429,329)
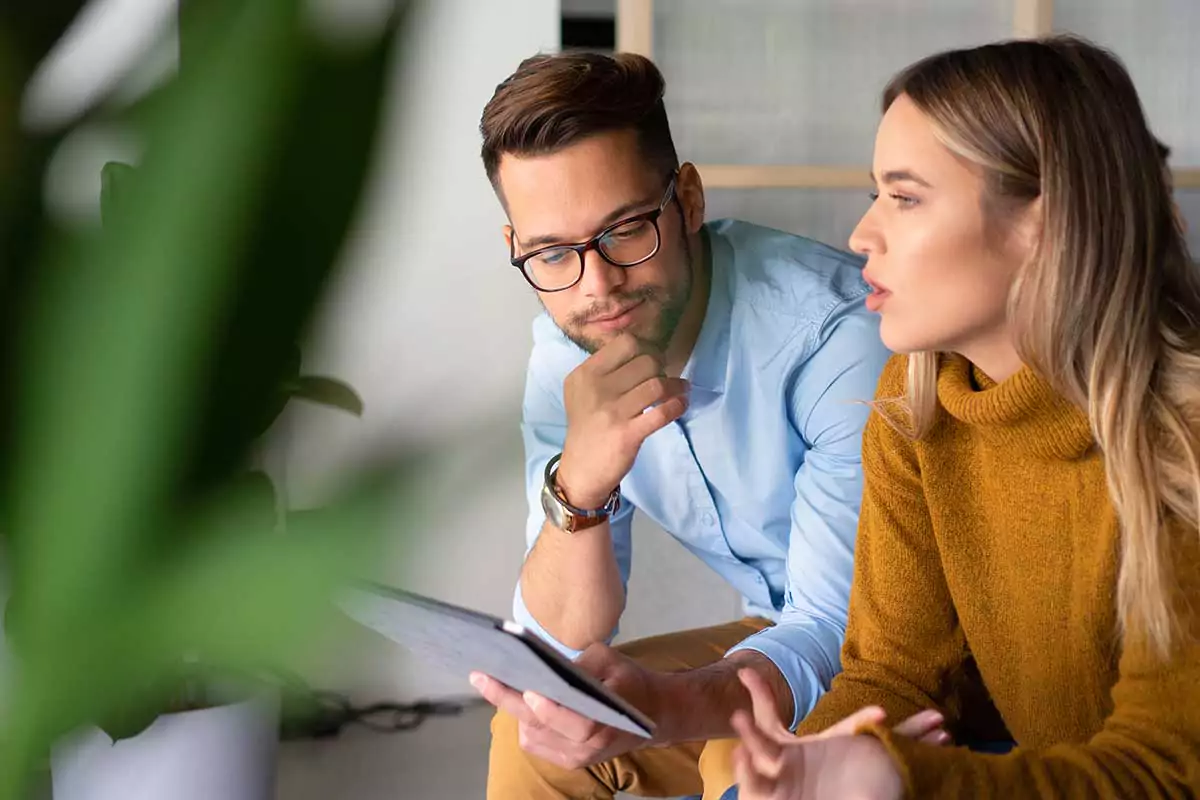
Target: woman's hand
(774,764)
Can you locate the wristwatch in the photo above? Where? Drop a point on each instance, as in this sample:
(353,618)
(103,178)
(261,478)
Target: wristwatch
(569,518)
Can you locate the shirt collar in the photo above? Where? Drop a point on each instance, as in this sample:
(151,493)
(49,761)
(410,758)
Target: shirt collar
(709,361)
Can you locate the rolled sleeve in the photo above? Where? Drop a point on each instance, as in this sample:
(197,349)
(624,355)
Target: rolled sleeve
(830,408)
(805,651)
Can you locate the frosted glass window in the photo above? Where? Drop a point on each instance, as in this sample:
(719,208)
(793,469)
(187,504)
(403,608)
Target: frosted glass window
(828,215)
(1157,41)
(798,81)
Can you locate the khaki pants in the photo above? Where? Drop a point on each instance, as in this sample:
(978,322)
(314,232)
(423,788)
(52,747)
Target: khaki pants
(685,769)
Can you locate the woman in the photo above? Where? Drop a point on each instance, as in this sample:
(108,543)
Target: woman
(1029,539)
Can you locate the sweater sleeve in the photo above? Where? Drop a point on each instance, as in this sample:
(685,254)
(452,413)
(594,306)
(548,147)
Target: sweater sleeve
(904,649)
(1149,747)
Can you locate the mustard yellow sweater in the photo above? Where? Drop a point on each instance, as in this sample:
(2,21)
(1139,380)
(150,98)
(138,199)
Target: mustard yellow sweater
(986,567)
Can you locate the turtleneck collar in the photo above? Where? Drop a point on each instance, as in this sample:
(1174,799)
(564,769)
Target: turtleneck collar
(1022,413)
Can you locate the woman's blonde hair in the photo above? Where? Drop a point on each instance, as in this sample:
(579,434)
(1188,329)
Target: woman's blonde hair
(1108,308)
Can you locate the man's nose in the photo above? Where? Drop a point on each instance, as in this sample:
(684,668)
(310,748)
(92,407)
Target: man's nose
(600,278)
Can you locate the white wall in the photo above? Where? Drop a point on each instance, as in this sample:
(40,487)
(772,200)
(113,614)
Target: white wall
(431,325)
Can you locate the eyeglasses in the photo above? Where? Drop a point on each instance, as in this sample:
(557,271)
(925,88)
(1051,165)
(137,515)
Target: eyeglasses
(627,243)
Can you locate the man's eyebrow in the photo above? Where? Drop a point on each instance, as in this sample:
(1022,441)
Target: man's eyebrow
(898,175)
(627,210)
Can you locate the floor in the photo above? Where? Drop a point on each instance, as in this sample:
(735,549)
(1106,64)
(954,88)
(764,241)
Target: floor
(445,759)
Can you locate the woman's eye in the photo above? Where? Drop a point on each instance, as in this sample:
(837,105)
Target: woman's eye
(902,200)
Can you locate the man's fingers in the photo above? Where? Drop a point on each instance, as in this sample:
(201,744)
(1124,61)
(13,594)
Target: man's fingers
(919,725)
(614,355)
(547,748)
(657,389)
(563,721)
(766,711)
(850,725)
(657,418)
(638,369)
(504,698)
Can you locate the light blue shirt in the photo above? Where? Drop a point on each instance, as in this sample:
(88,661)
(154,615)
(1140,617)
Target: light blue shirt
(762,477)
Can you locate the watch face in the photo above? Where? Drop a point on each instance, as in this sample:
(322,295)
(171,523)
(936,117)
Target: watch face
(554,511)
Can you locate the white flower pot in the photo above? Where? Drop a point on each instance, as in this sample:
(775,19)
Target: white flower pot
(222,753)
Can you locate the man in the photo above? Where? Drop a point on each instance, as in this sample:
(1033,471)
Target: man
(711,376)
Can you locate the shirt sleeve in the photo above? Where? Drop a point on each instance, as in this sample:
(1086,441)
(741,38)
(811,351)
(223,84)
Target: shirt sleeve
(544,429)
(829,406)
(901,645)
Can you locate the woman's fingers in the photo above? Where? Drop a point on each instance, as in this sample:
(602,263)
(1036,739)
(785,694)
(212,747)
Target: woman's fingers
(925,726)
(752,784)
(764,751)
(939,738)
(920,725)
(849,726)
(766,712)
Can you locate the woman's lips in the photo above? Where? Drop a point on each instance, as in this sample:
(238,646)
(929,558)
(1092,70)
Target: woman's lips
(877,296)
(876,299)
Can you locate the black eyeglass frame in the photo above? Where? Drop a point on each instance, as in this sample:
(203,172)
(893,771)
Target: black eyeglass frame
(581,250)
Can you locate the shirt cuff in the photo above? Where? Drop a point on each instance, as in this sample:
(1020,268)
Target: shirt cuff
(806,682)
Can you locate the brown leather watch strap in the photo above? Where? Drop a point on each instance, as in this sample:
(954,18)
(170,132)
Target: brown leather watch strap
(575,518)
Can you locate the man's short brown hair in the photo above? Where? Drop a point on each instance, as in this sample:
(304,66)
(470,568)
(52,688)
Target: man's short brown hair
(553,101)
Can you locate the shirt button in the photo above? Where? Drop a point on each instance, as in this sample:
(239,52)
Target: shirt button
(708,519)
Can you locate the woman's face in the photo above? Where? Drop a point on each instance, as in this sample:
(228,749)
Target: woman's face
(940,271)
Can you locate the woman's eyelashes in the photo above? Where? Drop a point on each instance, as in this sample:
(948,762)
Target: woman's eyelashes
(902,200)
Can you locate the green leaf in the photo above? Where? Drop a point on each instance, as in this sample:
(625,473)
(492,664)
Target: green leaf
(134,315)
(115,178)
(321,163)
(327,392)
(150,357)
(239,597)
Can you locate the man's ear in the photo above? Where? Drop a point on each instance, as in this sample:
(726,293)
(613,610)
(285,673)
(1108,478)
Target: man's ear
(508,236)
(690,191)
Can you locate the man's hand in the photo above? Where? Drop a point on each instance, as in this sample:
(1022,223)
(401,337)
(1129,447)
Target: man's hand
(563,737)
(606,399)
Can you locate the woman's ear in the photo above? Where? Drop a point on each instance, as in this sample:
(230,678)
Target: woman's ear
(1028,228)
(689,190)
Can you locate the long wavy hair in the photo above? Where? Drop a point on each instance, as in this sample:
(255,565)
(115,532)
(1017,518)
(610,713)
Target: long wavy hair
(1108,308)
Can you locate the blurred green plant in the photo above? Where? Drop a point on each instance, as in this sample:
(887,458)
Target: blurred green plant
(140,364)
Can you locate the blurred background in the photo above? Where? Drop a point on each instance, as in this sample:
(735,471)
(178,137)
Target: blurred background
(775,100)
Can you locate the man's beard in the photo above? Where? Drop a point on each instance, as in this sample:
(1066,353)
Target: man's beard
(669,306)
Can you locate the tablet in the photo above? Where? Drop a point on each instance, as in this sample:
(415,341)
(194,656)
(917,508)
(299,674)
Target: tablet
(463,641)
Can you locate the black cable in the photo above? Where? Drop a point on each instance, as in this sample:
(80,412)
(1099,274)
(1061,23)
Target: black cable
(318,714)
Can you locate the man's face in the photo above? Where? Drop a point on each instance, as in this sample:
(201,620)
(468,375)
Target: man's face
(574,194)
